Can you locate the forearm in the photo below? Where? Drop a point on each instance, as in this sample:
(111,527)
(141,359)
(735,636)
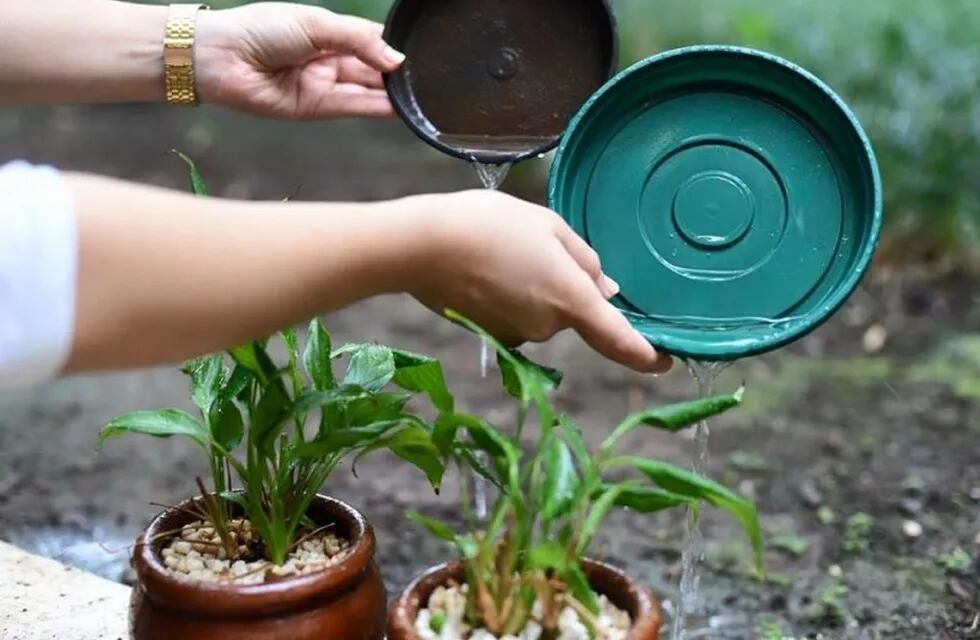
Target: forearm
(164,276)
(57,51)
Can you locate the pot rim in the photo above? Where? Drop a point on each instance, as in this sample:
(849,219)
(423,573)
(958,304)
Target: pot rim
(628,594)
(239,600)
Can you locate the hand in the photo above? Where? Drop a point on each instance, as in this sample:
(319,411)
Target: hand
(293,61)
(520,272)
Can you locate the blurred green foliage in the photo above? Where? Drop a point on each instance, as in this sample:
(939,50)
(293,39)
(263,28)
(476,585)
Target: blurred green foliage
(911,71)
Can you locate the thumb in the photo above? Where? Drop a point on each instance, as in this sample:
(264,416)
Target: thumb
(356,36)
(609,332)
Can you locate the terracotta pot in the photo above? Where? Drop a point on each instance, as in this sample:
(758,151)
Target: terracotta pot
(629,596)
(343,602)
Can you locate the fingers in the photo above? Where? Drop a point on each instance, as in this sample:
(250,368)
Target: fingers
(356,36)
(350,101)
(610,333)
(352,70)
(588,259)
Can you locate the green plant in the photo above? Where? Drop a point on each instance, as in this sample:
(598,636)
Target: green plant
(296,425)
(857,536)
(790,543)
(830,605)
(826,515)
(770,630)
(956,561)
(552,500)
(296,422)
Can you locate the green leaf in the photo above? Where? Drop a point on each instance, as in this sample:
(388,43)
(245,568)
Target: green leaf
(573,437)
(244,356)
(207,375)
(235,497)
(444,433)
(548,555)
(422,374)
(647,499)
(505,454)
(466,545)
(579,585)
(316,357)
(310,400)
(227,427)
(239,380)
(438,528)
(517,373)
(675,417)
(477,466)
(686,483)
(271,413)
(159,424)
(255,358)
(197,182)
(521,378)
(597,514)
(373,408)
(413,445)
(292,350)
(343,439)
(371,367)
(561,480)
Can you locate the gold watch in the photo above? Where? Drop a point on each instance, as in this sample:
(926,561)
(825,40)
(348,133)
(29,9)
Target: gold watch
(178,53)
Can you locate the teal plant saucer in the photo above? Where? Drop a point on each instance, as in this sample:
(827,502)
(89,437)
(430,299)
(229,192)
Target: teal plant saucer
(732,194)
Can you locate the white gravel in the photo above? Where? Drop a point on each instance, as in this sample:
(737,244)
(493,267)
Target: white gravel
(197,555)
(450,602)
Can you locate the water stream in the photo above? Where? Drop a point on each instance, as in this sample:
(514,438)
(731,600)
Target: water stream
(689,603)
(492,176)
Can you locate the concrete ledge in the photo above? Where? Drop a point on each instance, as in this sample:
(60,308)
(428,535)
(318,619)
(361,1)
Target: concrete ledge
(43,599)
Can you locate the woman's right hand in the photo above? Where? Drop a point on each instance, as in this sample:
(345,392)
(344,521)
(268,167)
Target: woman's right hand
(519,271)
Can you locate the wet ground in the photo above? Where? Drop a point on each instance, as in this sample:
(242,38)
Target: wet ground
(860,444)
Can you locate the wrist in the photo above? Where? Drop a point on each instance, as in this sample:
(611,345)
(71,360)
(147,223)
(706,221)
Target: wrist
(416,230)
(139,30)
(212,55)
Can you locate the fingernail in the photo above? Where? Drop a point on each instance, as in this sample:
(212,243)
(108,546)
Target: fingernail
(663,364)
(609,286)
(393,55)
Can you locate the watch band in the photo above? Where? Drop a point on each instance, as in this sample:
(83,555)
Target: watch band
(178,53)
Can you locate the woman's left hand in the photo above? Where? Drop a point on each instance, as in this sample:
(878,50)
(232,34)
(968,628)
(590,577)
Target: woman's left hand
(293,61)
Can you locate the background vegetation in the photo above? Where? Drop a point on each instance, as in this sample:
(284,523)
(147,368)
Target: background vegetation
(911,70)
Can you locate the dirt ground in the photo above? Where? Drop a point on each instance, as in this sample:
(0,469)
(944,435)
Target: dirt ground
(851,441)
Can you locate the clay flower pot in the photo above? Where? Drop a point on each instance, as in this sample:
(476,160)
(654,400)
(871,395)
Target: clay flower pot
(629,596)
(343,602)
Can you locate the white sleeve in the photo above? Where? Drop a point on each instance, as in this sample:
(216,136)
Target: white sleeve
(38,272)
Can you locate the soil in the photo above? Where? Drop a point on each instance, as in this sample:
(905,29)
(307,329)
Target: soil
(840,446)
